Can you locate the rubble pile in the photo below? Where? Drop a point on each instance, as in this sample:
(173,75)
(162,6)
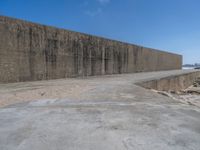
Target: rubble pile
(197,82)
(195,88)
(189,96)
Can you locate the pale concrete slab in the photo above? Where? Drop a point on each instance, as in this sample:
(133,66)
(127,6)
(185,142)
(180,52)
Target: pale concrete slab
(109,112)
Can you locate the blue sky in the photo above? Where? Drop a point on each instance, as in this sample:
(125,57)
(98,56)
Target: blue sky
(170,25)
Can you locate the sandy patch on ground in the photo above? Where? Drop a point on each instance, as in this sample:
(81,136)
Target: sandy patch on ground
(25,94)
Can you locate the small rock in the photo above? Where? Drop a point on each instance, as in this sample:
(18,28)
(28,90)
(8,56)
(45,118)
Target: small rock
(42,93)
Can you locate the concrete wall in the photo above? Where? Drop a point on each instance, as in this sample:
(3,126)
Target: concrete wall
(30,52)
(171,83)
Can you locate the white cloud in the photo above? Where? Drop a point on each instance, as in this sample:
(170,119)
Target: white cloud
(103,2)
(93,13)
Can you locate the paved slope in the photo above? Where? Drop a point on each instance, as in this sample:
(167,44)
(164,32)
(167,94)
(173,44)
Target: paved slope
(108,112)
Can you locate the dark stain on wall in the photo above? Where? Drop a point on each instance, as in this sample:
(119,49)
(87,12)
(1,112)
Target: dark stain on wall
(31,55)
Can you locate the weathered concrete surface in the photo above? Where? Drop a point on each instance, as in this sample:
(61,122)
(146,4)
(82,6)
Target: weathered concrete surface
(107,112)
(30,52)
(171,83)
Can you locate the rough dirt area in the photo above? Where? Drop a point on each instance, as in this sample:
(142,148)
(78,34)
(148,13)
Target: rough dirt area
(54,89)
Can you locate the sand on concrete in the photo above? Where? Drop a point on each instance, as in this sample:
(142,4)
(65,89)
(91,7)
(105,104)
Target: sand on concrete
(69,88)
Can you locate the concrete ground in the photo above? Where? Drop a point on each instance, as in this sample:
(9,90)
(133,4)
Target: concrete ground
(96,113)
